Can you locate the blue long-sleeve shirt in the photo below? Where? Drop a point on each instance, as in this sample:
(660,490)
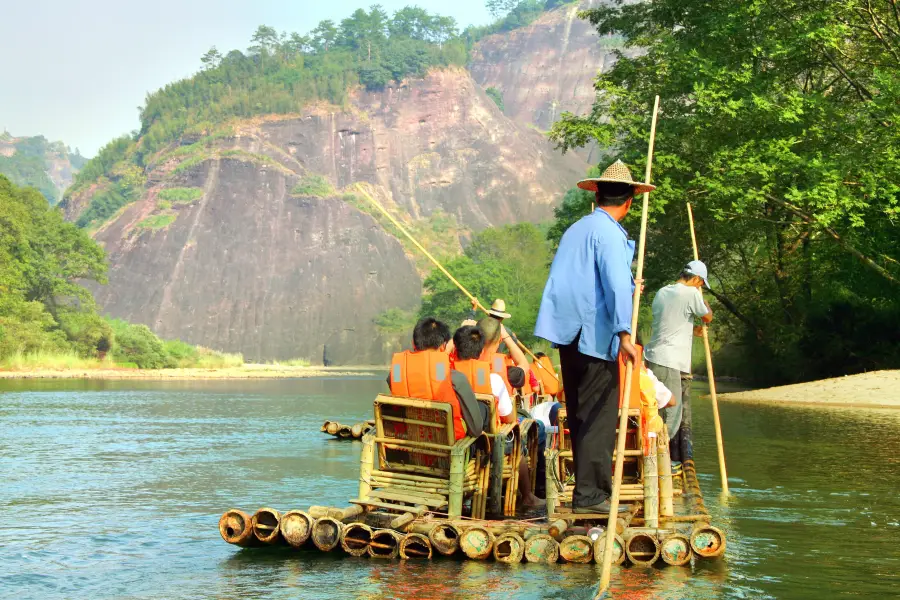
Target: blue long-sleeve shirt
(590,287)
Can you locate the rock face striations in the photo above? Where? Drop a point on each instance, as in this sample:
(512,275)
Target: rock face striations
(546,68)
(236,249)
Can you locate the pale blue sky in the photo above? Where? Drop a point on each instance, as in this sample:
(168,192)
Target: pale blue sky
(77,70)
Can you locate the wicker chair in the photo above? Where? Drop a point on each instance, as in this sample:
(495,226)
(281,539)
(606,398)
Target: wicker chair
(411,462)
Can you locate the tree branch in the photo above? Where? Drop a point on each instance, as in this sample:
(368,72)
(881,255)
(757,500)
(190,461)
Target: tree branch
(811,219)
(730,307)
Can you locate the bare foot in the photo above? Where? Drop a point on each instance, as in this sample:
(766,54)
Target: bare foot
(532,501)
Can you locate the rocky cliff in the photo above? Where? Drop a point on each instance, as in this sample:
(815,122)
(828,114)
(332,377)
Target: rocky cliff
(546,68)
(231,247)
(33,161)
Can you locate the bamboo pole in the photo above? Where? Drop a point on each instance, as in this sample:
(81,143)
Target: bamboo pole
(651,485)
(509,548)
(265,525)
(577,549)
(415,545)
(236,527)
(707,541)
(709,370)
(468,294)
(355,539)
(666,504)
(295,526)
(675,550)
(385,543)
(477,542)
(326,533)
(444,538)
(642,548)
(629,369)
(541,548)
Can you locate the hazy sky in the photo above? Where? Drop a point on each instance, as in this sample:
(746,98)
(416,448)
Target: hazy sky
(77,70)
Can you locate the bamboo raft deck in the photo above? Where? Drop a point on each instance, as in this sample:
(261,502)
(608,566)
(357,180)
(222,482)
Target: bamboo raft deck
(412,510)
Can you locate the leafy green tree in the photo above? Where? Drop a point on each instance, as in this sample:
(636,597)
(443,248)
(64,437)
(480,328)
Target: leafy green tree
(211,59)
(778,123)
(264,41)
(511,262)
(324,35)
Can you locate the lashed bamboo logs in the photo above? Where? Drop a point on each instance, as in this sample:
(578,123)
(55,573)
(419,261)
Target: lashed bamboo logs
(265,525)
(618,550)
(415,545)
(477,542)
(326,533)
(541,548)
(675,550)
(444,538)
(707,541)
(651,485)
(577,549)
(355,539)
(296,527)
(344,432)
(236,527)
(664,466)
(558,529)
(641,547)
(385,544)
(509,548)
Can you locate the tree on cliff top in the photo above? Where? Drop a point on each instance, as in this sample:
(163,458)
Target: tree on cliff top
(779,123)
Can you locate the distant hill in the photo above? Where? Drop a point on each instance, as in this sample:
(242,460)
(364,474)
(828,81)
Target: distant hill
(234,217)
(33,161)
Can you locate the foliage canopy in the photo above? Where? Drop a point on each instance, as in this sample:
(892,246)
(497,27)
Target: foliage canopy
(779,123)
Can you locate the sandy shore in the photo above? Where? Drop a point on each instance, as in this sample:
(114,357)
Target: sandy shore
(875,389)
(244,372)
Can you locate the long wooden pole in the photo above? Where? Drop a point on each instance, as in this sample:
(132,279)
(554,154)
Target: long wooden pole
(409,236)
(629,369)
(709,370)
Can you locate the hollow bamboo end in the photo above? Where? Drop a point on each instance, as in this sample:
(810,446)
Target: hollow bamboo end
(296,526)
(642,549)
(266,525)
(355,539)
(509,548)
(444,538)
(577,549)
(707,541)
(326,533)
(618,556)
(415,545)
(331,427)
(235,527)
(675,550)
(385,544)
(541,548)
(477,543)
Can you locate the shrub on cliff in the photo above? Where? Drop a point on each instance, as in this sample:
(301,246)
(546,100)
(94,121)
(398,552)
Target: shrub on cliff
(137,345)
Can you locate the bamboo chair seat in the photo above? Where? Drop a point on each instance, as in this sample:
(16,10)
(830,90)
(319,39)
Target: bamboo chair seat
(412,458)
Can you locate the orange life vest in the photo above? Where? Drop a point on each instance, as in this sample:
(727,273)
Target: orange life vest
(498,366)
(546,375)
(419,374)
(478,372)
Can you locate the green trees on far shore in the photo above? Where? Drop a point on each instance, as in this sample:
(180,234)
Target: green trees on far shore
(47,319)
(779,123)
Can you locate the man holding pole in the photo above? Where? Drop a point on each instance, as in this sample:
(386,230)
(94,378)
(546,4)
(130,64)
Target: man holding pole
(586,311)
(669,352)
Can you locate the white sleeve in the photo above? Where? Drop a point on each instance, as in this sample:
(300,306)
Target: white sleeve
(698,307)
(663,394)
(498,388)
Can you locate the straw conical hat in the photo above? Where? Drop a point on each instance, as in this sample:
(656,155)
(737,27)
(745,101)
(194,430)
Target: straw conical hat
(615,173)
(498,309)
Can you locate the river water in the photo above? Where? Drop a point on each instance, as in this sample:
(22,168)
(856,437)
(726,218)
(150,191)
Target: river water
(114,490)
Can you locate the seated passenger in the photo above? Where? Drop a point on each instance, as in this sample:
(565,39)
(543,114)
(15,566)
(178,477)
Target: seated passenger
(424,373)
(494,335)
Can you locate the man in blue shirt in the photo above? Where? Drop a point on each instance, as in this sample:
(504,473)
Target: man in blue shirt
(586,311)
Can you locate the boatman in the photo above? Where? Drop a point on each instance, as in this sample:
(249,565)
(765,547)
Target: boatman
(669,352)
(586,311)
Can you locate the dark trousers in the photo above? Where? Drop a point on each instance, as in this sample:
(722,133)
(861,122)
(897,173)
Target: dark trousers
(592,407)
(681,446)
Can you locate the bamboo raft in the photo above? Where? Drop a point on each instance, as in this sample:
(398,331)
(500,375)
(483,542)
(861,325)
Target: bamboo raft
(347,432)
(412,494)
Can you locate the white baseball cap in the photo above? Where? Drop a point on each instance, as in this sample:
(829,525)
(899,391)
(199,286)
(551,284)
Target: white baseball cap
(696,267)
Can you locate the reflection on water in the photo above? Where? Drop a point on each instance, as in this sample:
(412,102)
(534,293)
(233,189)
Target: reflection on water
(114,489)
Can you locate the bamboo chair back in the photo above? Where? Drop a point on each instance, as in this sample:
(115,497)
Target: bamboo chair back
(417,435)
